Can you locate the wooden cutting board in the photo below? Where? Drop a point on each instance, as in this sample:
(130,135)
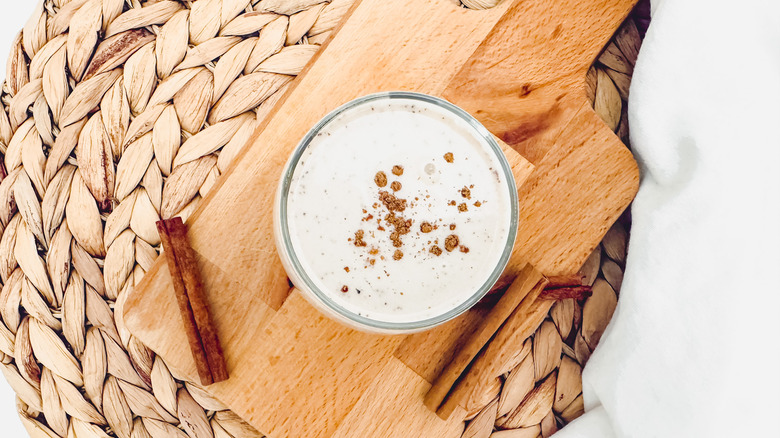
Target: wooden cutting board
(520,69)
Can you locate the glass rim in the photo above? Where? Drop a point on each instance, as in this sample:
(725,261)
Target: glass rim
(482,133)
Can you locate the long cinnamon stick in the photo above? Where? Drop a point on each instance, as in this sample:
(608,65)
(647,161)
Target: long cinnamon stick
(187,285)
(523,284)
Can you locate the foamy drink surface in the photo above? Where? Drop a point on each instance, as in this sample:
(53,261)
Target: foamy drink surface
(398,210)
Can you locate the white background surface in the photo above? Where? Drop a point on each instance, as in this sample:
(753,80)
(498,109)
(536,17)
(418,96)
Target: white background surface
(13,15)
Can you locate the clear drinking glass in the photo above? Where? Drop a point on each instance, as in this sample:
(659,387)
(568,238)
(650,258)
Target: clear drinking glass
(303,280)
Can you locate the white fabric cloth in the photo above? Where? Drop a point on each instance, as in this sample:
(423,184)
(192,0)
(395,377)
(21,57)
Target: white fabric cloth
(692,350)
(13,15)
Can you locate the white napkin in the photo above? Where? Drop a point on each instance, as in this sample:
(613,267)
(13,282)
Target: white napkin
(692,350)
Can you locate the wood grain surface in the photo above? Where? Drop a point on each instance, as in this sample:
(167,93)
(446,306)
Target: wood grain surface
(520,69)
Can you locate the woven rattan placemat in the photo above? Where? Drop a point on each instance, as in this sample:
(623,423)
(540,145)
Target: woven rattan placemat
(107,127)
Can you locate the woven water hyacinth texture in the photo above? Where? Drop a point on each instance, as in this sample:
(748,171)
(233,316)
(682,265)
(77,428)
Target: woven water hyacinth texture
(119,113)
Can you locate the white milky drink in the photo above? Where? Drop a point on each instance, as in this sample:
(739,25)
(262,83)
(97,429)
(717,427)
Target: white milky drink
(396,213)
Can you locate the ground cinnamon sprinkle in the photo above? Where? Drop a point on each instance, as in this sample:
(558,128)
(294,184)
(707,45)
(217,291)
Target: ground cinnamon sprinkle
(477,204)
(397,225)
(359,238)
(391,202)
(402,226)
(380,179)
(451,242)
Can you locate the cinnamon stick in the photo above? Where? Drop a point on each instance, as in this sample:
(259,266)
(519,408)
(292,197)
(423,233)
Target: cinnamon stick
(566,286)
(188,288)
(526,280)
(562,293)
(564,281)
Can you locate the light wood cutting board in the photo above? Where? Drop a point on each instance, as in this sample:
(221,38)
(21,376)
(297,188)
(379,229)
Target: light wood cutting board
(520,69)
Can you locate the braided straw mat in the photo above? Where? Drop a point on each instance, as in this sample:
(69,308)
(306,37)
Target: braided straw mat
(117,113)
